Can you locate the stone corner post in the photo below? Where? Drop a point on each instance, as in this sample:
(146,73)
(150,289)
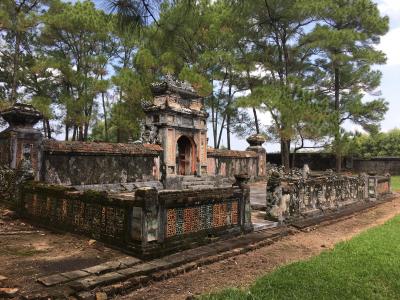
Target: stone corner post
(21,141)
(256,141)
(148,199)
(244,204)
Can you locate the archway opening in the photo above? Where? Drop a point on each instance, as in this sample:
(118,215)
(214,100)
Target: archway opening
(186,156)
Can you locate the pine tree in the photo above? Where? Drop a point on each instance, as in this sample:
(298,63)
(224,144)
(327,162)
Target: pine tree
(345,37)
(75,38)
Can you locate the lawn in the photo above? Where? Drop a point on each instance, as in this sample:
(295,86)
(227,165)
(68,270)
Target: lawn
(395,183)
(366,267)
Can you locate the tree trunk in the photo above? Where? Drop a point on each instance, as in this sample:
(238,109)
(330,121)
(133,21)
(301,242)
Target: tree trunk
(294,159)
(80,131)
(44,127)
(256,120)
(74,133)
(66,132)
(228,132)
(14,84)
(337,129)
(119,118)
(220,132)
(85,131)
(285,154)
(105,118)
(214,128)
(228,116)
(105,114)
(48,129)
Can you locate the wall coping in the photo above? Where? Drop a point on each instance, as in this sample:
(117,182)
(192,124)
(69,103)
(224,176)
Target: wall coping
(212,152)
(379,158)
(101,148)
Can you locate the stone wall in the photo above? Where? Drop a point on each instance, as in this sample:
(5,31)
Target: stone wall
(227,163)
(91,213)
(84,163)
(291,197)
(148,223)
(316,161)
(378,165)
(302,194)
(324,161)
(8,186)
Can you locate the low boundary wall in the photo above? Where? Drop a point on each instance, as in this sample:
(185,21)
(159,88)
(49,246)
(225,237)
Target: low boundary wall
(228,163)
(151,223)
(289,198)
(378,165)
(86,163)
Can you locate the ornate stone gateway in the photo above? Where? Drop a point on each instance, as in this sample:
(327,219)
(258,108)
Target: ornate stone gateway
(176,120)
(186,156)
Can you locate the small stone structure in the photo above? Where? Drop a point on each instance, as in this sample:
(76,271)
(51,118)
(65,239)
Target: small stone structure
(302,194)
(176,120)
(147,223)
(20,137)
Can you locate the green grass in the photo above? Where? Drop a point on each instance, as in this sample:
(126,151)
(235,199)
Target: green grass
(366,267)
(395,181)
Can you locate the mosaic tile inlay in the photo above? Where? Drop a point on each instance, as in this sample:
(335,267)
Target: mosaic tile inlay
(193,219)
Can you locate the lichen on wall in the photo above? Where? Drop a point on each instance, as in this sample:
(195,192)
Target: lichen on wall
(7,185)
(299,194)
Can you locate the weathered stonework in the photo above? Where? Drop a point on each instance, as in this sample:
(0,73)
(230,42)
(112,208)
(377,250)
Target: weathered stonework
(149,223)
(77,163)
(21,137)
(8,180)
(300,195)
(228,163)
(176,120)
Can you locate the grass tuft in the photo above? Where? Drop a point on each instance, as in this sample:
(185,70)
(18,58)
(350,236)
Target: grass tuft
(395,181)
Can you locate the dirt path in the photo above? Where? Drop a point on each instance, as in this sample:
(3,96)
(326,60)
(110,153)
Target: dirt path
(244,269)
(28,252)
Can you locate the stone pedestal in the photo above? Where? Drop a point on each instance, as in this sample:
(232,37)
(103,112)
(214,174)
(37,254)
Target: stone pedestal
(20,140)
(256,141)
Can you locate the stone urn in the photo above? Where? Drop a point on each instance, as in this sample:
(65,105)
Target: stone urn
(21,116)
(256,140)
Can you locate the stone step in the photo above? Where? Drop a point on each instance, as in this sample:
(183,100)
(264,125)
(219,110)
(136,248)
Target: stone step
(169,266)
(200,187)
(196,178)
(198,183)
(264,226)
(192,178)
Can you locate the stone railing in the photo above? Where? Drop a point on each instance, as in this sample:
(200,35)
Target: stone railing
(294,197)
(148,222)
(166,221)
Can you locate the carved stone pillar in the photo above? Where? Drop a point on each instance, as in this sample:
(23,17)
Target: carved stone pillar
(21,139)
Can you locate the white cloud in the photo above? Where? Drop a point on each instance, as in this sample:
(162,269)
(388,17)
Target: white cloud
(390,8)
(390,44)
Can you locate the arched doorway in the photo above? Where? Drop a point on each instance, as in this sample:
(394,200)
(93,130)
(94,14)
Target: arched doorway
(186,156)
